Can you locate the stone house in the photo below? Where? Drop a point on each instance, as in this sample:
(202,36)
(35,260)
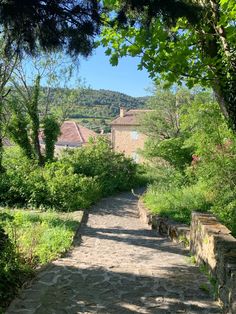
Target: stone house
(125,133)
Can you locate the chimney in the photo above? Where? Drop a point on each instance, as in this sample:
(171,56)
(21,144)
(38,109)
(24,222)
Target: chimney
(122,112)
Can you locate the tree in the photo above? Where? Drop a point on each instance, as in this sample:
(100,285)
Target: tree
(29,26)
(34,110)
(7,66)
(192,41)
(24,126)
(162,126)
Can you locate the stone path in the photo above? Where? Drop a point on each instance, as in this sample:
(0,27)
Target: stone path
(120,267)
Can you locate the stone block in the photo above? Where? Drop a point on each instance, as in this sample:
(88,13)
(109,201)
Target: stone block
(212,244)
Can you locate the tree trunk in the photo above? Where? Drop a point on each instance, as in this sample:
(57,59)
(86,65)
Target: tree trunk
(1,139)
(34,115)
(224,72)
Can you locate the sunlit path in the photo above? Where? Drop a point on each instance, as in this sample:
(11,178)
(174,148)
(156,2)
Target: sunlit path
(120,267)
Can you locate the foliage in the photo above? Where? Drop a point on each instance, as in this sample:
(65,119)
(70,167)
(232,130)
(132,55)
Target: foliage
(32,111)
(114,171)
(18,130)
(163,120)
(51,132)
(40,237)
(29,239)
(224,206)
(215,144)
(68,190)
(7,66)
(54,186)
(177,203)
(178,41)
(76,180)
(171,151)
(24,123)
(50,25)
(12,272)
(162,125)
(23,127)
(207,182)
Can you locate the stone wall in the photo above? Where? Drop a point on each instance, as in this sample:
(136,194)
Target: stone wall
(123,142)
(212,245)
(177,232)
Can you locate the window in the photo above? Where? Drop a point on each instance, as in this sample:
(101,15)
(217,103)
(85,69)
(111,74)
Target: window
(134,135)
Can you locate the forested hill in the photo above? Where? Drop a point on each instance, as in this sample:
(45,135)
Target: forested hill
(102,97)
(96,108)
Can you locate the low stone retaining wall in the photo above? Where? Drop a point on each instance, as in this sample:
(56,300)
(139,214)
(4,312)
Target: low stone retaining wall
(212,245)
(175,231)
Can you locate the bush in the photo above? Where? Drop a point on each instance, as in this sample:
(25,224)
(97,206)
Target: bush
(12,271)
(40,237)
(75,181)
(55,186)
(224,207)
(177,203)
(209,182)
(68,190)
(27,240)
(113,171)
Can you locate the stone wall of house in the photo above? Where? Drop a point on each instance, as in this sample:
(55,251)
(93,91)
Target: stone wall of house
(123,141)
(212,245)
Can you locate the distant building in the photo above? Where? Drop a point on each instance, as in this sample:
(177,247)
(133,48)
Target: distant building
(72,135)
(125,134)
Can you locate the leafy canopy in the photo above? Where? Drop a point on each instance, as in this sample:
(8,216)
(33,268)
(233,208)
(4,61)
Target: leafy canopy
(178,41)
(49,25)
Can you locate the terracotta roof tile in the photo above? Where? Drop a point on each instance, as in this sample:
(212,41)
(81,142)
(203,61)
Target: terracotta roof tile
(73,134)
(86,133)
(131,117)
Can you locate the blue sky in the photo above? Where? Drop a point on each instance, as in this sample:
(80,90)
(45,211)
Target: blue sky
(125,78)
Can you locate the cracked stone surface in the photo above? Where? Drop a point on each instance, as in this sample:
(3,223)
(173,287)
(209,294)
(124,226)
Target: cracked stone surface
(119,267)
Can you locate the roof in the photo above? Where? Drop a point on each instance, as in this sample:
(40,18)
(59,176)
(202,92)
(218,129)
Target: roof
(74,134)
(131,117)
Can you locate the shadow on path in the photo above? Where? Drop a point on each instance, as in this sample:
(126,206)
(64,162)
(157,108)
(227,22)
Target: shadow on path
(119,267)
(99,290)
(144,238)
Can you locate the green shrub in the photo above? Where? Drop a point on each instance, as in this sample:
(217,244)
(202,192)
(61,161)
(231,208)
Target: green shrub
(170,150)
(76,180)
(68,190)
(209,182)
(40,237)
(177,203)
(166,177)
(27,240)
(224,207)
(113,171)
(12,271)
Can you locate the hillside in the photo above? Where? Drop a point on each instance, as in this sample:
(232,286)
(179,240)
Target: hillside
(92,108)
(106,103)
(96,108)
(106,97)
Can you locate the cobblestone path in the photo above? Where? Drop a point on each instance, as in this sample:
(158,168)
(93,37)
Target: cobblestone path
(120,267)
